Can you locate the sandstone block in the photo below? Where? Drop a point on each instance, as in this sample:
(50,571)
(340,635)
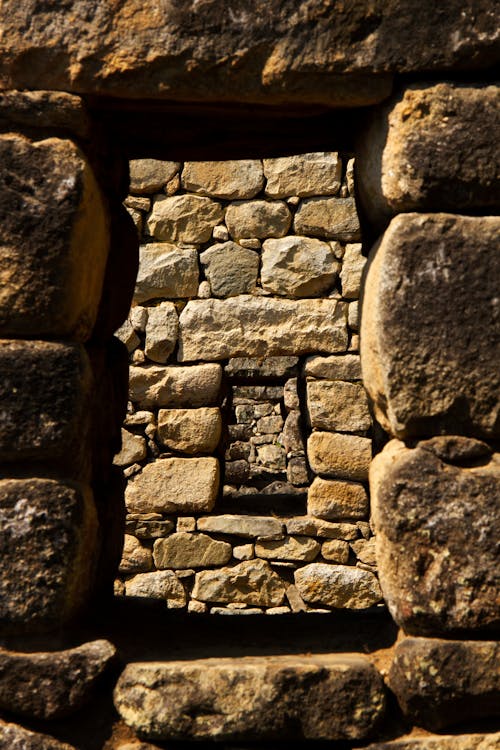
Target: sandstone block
(437,529)
(228,179)
(230,269)
(14,737)
(294,548)
(443,742)
(54,239)
(256,697)
(439,273)
(197,385)
(190,430)
(341,456)
(364,549)
(339,586)
(251,582)
(337,367)
(133,449)
(166,271)
(184,550)
(441,683)
(48,546)
(174,485)
(262,527)
(184,218)
(136,557)
(353,263)
(331,218)
(310,526)
(335,550)
(160,584)
(211,329)
(258,219)
(53,684)
(151,175)
(298,267)
(335,500)
(303,175)
(161,331)
(337,405)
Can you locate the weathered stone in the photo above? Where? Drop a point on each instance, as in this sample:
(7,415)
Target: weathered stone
(136,558)
(169,485)
(293,438)
(335,500)
(196,385)
(443,742)
(457,449)
(48,550)
(364,549)
(251,581)
(14,737)
(434,146)
(52,684)
(150,175)
(341,456)
(353,316)
(184,550)
(184,218)
(54,110)
(256,698)
(296,471)
(211,329)
(440,683)
(335,550)
(241,178)
(190,430)
(230,269)
(303,175)
(262,527)
(133,449)
(311,526)
(339,586)
(161,331)
(54,239)
(331,218)
(243,552)
(299,548)
(247,367)
(138,203)
(337,405)
(144,528)
(437,530)
(160,584)
(258,219)
(128,336)
(434,273)
(166,271)
(353,263)
(298,267)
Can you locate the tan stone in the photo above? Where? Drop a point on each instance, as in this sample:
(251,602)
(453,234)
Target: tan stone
(160,584)
(211,329)
(298,267)
(310,526)
(150,175)
(335,500)
(331,218)
(339,586)
(353,316)
(303,175)
(230,269)
(337,405)
(258,219)
(174,485)
(337,455)
(184,550)
(262,527)
(294,548)
(184,218)
(196,385)
(443,742)
(190,430)
(335,550)
(353,263)
(133,449)
(336,367)
(166,271)
(251,582)
(243,552)
(364,549)
(241,178)
(136,558)
(161,331)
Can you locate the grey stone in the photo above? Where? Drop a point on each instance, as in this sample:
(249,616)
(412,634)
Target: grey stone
(252,582)
(228,179)
(184,218)
(258,219)
(339,586)
(166,271)
(230,269)
(197,385)
(329,218)
(303,175)
(185,550)
(298,267)
(161,332)
(248,367)
(150,175)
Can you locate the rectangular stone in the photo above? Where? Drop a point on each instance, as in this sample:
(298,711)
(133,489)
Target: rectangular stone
(241,525)
(337,405)
(333,454)
(309,526)
(336,367)
(153,385)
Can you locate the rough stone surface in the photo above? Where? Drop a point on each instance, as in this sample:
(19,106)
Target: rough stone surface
(14,737)
(337,367)
(160,584)
(298,267)
(339,586)
(338,455)
(51,684)
(353,263)
(335,550)
(437,530)
(56,110)
(294,548)
(54,239)
(434,273)
(46,576)
(184,218)
(441,683)
(433,145)
(262,527)
(451,742)
(211,329)
(190,430)
(161,332)
(336,405)
(258,219)
(183,550)
(182,485)
(331,218)
(136,558)
(251,582)
(197,385)
(230,180)
(254,697)
(303,175)
(311,526)
(133,449)
(335,500)
(248,367)
(166,271)
(150,175)
(230,269)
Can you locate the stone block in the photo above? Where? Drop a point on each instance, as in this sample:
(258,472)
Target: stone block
(273,697)
(437,529)
(174,485)
(211,329)
(184,550)
(166,270)
(160,584)
(228,179)
(51,110)
(54,239)
(337,405)
(151,175)
(336,500)
(161,331)
(335,550)
(430,330)
(262,527)
(252,582)
(329,218)
(293,548)
(197,385)
(184,218)
(190,430)
(336,367)
(353,263)
(136,557)
(298,267)
(258,219)
(14,737)
(338,586)
(339,456)
(48,546)
(230,269)
(304,175)
(133,449)
(268,367)
(310,526)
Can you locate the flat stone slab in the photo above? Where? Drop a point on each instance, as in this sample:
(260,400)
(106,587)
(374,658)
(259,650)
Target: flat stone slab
(252,698)
(14,737)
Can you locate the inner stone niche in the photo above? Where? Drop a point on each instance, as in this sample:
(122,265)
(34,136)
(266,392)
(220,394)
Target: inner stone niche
(248,437)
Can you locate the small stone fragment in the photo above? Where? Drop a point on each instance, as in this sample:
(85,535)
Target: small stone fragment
(330,218)
(337,455)
(166,271)
(243,552)
(258,219)
(337,500)
(228,179)
(133,449)
(150,175)
(339,586)
(303,174)
(184,218)
(251,582)
(161,331)
(185,550)
(298,267)
(190,430)
(136,558)
(230,269)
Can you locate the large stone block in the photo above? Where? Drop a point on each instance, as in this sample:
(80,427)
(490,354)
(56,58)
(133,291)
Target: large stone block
(258,219)
(273,697)
(335,500)
(430,329)
(197,385)
(330,218)
(151,175)
(212,329)
(304,175)
(54,239)
(333,454)
(48,552)
(339,586)
(433,147)
(185,550)
(230,269)
(241,178)
(190,430)
(252,582)
(435,509)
